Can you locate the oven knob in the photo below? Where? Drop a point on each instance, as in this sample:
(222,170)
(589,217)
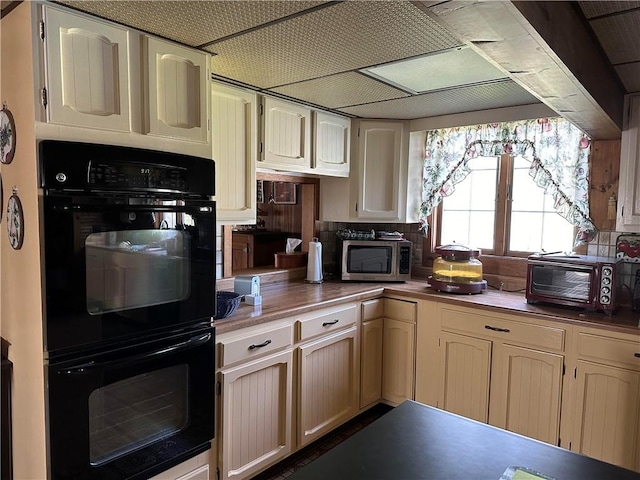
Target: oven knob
(61,177)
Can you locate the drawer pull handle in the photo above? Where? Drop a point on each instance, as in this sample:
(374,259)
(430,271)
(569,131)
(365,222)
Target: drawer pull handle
(496,329)
(637,354)
(326,324)
(260,345)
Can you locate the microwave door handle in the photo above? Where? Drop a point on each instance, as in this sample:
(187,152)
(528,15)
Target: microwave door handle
(85,367)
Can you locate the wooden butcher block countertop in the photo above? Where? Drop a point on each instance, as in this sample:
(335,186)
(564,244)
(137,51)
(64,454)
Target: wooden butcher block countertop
(293,297)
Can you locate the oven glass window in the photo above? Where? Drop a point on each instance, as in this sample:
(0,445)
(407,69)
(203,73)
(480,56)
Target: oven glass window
(136,268)
(561,282)
(129,414)
(369,259)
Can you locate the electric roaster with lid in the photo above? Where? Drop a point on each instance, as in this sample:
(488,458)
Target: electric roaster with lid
(457,270)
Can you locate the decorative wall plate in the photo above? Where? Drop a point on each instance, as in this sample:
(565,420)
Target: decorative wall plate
(1,197)
(15,221)
(7,135)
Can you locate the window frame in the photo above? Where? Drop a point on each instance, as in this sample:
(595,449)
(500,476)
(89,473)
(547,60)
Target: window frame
(499,259)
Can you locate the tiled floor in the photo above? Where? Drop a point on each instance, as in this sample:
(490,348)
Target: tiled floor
(322,445)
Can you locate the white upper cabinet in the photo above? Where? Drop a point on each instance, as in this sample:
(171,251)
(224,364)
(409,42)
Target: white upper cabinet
(178,91)
(628,217)
(385,180)
(286,136)
(331,152)
(234,133)
(87,72)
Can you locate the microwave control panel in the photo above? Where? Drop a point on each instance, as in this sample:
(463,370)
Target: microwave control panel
(404,265)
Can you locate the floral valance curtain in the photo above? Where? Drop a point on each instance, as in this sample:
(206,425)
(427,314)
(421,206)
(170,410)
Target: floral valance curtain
(558,151)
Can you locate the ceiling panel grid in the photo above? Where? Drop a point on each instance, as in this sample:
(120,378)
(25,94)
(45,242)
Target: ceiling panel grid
(343,37)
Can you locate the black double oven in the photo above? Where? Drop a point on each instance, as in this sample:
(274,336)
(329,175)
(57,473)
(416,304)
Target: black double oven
(129,241)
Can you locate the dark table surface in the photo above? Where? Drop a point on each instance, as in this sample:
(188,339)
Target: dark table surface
(415,441)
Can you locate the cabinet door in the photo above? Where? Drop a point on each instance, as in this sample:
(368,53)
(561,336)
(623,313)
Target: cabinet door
(628,218)
(234,140)
(607,417)
(241,252)
(465,366)
(328,391)
(178,91)
(256,415)
(87,72)
(379,151)
(371,362)
(398,378)
(527,394)
(331,145)
(287,136)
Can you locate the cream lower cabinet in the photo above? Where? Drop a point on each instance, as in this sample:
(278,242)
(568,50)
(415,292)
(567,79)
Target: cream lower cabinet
(196,468)
(328,370)
(503,371)
(371,334)
(398,351)
(606,424)
(255,411)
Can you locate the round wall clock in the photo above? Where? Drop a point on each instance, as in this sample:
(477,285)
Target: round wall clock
(15,221)
(7,135)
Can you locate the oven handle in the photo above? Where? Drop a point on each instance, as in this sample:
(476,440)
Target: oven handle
(85,367)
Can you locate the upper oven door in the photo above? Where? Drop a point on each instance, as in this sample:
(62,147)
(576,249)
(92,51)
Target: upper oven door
(119,267)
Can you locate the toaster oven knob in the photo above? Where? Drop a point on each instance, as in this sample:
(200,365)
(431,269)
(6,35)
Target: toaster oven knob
(606,281)
(604,299)
(606,290)
(606,271)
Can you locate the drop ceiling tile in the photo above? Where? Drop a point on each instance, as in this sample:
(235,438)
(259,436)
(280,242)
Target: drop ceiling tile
(342,37)
(192,22)
(595,9)
(629,73)
(619,36)
(466,99)
(340,90)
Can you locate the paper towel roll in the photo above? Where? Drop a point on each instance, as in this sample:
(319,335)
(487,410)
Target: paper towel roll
(314,262)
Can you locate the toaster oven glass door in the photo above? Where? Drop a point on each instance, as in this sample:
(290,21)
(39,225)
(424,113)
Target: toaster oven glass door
(567,281)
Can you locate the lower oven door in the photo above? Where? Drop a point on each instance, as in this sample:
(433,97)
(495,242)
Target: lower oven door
(133,412)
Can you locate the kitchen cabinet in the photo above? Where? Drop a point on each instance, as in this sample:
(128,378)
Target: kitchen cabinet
(331,144)
(255,411)
(371,352)
(178,91)
(628,215)
(286,136)
(384,183)
(328,370)
(87,71)
(502,371)
(398,351)
(234,139)
(102,76)
(606,410)
(196,468)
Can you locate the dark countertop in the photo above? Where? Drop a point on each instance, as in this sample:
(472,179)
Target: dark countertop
(414,441)
(293,297)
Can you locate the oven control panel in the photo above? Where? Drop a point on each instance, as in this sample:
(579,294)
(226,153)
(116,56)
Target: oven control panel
(137,175)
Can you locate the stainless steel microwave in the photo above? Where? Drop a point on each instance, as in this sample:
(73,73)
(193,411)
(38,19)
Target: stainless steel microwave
(584,281)
(375,260)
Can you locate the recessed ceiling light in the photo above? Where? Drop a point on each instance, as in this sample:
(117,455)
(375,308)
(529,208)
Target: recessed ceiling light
(437,71)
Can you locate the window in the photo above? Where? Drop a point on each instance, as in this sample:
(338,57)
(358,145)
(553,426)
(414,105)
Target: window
(499,209)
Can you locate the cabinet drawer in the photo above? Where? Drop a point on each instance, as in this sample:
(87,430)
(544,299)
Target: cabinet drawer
(507,331)
(326,321)
(372,309)
(400,310)
(255,345)
(609,350)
